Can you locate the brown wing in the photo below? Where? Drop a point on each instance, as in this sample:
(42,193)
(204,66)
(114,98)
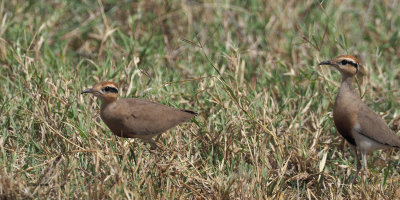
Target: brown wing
(143,117)
(374,127)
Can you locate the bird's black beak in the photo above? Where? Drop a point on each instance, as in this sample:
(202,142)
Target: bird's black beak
(90,90)
(326,62)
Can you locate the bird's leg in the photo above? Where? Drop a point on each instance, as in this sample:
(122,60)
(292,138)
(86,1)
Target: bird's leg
(358,165)
(343,145)
(365,171)
(158,137)
(153,145)
(132,151)
(364,158)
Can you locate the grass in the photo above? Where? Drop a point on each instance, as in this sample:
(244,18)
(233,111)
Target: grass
(265,129)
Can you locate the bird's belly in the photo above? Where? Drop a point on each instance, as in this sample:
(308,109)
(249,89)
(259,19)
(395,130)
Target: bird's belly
(365,144)
(119,130)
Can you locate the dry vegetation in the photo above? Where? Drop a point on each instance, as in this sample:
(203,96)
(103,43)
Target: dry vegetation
(265,130)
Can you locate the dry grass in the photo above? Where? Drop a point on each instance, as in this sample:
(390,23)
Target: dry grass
(265,130)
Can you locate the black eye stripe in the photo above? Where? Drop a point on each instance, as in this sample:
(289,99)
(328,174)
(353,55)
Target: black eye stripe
(345,62)
(110,89)
(353,64)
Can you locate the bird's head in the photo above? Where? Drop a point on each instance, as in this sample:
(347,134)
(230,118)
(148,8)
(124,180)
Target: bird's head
(106,91)
(347,65)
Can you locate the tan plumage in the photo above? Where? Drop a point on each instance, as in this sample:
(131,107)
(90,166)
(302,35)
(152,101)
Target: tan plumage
(135,118)
(365,130)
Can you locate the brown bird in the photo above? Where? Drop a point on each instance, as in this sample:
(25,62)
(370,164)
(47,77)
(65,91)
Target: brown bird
(365,130)
(135,118)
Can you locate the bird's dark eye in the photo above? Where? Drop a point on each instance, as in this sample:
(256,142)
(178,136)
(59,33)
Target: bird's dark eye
(344,62)
(110,89)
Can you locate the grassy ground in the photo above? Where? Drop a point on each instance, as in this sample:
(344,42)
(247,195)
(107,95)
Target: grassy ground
(265,128)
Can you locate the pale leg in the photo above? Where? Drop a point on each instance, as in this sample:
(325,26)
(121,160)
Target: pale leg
(358,164)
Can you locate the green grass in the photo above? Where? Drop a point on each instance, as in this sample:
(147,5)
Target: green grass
(265,128)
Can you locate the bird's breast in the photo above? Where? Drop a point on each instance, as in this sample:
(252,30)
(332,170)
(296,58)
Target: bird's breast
(345,118)
(112,119)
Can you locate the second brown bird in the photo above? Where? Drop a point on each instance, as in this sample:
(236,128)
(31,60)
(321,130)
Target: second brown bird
(363,129)
(135,118)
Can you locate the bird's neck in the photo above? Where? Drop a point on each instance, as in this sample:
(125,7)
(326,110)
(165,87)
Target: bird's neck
(107,101)
(347,84)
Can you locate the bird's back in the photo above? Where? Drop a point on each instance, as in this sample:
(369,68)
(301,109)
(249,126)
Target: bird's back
(132,117)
